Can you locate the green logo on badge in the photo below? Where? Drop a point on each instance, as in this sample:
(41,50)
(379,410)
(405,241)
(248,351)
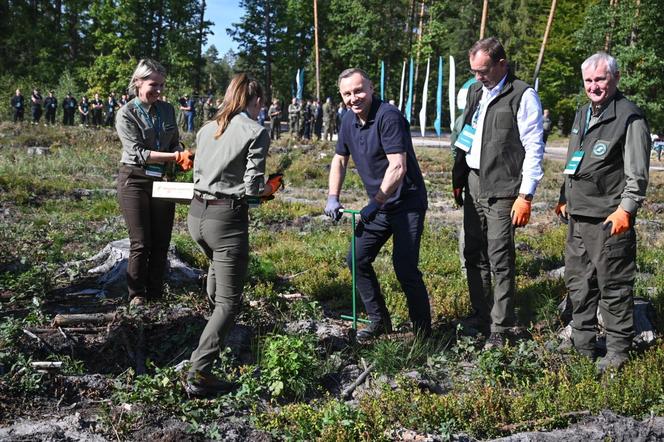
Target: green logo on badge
(599,149)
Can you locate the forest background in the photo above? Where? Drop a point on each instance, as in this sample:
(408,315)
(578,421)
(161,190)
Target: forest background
(88,46)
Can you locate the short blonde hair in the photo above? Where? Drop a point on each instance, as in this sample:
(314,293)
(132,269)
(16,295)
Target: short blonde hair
(145,68)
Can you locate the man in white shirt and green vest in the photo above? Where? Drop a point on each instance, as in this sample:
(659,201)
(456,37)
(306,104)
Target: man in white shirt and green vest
(496,172)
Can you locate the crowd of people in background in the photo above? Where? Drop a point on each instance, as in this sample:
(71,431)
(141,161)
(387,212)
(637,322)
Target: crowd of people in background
(306,119)
(96,112)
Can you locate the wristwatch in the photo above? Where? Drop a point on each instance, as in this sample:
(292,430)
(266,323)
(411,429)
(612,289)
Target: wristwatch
(526,196)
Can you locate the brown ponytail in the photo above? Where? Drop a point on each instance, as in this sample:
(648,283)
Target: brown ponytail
(241,90)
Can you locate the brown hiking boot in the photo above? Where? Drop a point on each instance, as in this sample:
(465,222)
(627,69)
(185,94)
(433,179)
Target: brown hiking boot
(206,384)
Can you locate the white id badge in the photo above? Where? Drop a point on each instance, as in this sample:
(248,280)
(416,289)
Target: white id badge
(154,170)
(465,139)
(573,164)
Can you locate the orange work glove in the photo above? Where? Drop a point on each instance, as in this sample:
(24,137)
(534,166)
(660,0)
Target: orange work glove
(520,212)
(620,221)
(185,159)
(561,211)
(275,182)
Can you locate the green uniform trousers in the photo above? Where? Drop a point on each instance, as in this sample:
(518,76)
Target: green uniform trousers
(600,270)
(489,248)
(221,230)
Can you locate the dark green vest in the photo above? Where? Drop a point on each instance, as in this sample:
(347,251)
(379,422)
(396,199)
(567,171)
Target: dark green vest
(502,155)
(596,188)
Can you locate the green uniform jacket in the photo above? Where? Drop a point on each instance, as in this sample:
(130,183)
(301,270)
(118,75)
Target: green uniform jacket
(234,164)
(616,157)
(138,135)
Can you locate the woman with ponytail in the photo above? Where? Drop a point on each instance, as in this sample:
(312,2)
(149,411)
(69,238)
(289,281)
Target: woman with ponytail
(229,171)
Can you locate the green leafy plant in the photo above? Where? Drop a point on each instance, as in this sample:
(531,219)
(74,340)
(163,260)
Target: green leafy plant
(289,364)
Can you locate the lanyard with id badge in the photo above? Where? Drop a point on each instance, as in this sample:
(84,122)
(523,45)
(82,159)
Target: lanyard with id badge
(153,170)
(465,138)
(573,164)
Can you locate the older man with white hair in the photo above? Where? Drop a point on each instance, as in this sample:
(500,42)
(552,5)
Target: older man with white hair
(606,176)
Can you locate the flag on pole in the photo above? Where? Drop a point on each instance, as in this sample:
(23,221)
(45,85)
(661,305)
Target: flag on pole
(299,81)
(425,94)
(439,98)
(403,77)
(452,91)
(462,95)
(409,102)
(382,80)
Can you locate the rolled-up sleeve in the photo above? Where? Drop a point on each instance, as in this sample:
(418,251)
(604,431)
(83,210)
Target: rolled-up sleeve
(637,162)
(131,137)
(254,181)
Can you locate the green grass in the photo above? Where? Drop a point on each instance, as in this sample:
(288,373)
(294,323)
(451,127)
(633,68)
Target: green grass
(46,221)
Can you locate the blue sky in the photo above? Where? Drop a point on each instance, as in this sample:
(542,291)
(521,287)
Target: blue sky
(223,13)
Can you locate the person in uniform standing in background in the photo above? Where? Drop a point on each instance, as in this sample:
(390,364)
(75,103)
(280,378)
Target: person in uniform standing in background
(84,111)
(294,118)
(97,109)
(150,140)
(318,119)
(305,120)
(329,119)
(111,104)
(275,119)
(606,178)
(18,106)
(68,110)
(51,106)
(37,101)
(229,170)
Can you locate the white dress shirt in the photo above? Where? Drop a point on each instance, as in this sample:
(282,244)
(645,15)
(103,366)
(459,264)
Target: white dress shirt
(529,122)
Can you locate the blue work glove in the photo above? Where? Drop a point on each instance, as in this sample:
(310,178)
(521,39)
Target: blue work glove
(333,207)
(368,213)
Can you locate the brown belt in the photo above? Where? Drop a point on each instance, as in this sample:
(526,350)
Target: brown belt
(225,202)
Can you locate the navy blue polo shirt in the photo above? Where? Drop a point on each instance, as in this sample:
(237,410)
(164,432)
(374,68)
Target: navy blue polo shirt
(386,131)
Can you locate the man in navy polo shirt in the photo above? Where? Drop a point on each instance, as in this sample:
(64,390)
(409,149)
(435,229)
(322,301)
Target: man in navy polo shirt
(377,136)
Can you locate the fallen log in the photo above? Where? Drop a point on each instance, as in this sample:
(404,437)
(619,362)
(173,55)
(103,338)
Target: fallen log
(360,379)
(84,330)
(63,320)
(46,365)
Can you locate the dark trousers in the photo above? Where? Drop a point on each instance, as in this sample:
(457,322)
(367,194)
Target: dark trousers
(50,116)
(149,221)
(36,114)
(18,115)
(68,117)
(600,271)
(110,119)
(85,119)
(275,129)
(406,227)
(222,233)
(489,249)
(96,117)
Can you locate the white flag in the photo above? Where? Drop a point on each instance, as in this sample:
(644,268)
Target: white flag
(425,93)
(452,91)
